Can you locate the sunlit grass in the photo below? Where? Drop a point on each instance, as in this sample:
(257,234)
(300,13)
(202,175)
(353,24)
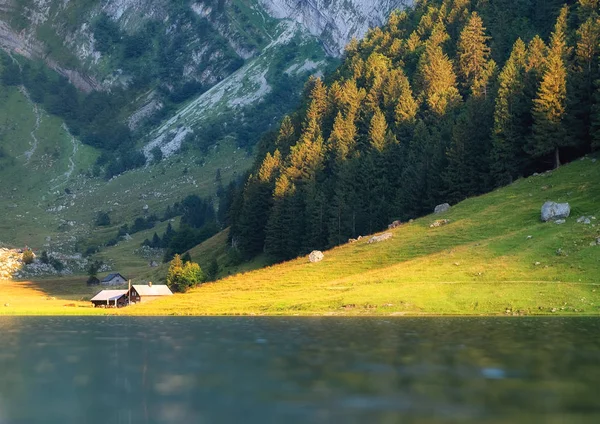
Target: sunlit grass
(483,262)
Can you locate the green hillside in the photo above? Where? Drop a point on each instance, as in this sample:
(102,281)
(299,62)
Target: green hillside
(48,190)
(494,257)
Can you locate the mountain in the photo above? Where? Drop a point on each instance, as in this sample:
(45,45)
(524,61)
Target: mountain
(169,53)
(210,76)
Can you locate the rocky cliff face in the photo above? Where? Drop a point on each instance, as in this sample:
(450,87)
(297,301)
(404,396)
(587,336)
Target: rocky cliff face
(335,22)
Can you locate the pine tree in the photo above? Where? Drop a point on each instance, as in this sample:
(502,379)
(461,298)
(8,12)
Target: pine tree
(509,132)
(257,202)
(550,104)
(342,139)
(378,131)
(438,80)
(286,136)
(581,84)
(474,63)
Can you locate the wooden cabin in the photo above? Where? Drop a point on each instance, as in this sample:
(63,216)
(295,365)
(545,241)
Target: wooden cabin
(114,279)
(143,293)
(110,299)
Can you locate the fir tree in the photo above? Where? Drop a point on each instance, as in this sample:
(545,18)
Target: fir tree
(378,131)
(474,63)
(438,80)
(550,104)
(509,132)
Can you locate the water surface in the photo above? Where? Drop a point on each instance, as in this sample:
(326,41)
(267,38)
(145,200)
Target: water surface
(298,370)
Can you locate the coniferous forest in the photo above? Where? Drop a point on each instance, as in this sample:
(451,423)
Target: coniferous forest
(451,99)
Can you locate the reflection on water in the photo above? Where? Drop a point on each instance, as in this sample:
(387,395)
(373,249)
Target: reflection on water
(197,370)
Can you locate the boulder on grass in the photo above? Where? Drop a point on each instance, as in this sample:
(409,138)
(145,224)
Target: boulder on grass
(444,207)
(316,256)
(552,211)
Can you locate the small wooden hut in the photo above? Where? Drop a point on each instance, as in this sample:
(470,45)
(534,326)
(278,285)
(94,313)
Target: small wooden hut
(144,293)
(110,299)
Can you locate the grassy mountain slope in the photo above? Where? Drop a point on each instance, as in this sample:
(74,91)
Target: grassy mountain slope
(39,160)
(480,263)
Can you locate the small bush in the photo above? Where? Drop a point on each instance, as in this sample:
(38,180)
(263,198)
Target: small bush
(56,264)
(102,219)
(28,257)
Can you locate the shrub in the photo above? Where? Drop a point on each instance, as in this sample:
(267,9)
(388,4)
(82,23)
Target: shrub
(181,277)
(56,264)
(28,257)
(102,219)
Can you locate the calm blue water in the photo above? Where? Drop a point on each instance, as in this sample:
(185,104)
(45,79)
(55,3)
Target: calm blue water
(298,370)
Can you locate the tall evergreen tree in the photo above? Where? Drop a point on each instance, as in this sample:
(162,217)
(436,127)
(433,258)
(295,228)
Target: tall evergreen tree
(550,104)
(438,80)
(509,127)
(474,63)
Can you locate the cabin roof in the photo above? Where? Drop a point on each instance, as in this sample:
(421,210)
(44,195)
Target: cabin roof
(105,295)
(111,276)
(153,290)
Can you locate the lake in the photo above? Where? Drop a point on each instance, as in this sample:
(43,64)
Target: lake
(298,370)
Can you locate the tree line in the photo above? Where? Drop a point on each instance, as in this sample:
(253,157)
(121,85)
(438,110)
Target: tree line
(450,99)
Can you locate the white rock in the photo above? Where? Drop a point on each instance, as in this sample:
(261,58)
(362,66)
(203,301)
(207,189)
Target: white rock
(380,238)
(316,256)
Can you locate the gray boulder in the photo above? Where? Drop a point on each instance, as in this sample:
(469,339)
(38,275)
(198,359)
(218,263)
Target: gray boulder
(552,211)
(316,256)
(444,207)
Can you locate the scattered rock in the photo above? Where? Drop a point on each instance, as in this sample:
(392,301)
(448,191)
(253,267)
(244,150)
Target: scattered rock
(560,252)
(439,223)
(145,208)
(537,263)
(529,237)
(352,240)
(559,221)
(7,305)
(553,310)
(394,224)
(410,221)
(380,238)
(552,211)
(594,160)
(359,238)
(585,220)
(316,256)
(153,264)
(444,207)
